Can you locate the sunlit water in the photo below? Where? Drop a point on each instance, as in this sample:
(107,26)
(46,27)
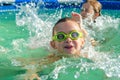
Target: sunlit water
(26,34)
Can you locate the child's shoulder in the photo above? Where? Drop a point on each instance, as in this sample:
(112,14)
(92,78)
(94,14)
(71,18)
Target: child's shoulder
(52,58)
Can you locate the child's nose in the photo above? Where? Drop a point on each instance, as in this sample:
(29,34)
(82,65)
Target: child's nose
(68,40)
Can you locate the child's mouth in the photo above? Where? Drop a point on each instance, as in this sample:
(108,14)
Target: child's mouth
(68,47)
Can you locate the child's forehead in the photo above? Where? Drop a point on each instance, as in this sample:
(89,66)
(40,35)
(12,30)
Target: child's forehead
(66,28)
(67,25)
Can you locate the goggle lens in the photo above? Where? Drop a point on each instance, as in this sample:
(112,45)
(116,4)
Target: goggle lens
(74,35)
(60,36)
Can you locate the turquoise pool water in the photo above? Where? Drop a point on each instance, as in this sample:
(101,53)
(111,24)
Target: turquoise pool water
(26,34)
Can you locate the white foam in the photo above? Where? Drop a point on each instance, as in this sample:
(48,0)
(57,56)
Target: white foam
(7,1)
(70,1)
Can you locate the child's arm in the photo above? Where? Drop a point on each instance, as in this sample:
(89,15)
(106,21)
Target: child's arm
(34,65)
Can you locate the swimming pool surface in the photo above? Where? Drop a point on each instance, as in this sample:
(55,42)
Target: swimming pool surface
(26,34)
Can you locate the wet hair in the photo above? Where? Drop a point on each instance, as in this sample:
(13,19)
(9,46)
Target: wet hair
(97,6)
(65,19)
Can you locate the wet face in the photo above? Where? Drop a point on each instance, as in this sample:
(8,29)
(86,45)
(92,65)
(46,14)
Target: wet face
(87,10)
(68,46)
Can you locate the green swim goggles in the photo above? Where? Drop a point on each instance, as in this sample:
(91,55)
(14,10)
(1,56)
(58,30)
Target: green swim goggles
(61,36)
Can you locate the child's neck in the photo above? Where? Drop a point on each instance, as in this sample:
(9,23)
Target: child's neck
(68,55)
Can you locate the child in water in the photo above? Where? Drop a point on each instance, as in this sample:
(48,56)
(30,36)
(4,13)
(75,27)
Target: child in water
(90,11)
(68,38)
(91,8)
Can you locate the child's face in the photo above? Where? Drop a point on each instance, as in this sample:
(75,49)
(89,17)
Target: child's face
(68,46)
(87,10)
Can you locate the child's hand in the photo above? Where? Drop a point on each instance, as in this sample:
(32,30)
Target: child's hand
(77,17)
(93,42)
(32,77)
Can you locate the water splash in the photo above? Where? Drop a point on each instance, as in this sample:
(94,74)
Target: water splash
(39,36)
(37,23)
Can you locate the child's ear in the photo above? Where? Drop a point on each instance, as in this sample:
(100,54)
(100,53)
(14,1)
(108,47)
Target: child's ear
(52,43)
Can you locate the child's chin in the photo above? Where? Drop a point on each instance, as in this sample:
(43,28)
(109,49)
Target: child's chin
(69,51)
